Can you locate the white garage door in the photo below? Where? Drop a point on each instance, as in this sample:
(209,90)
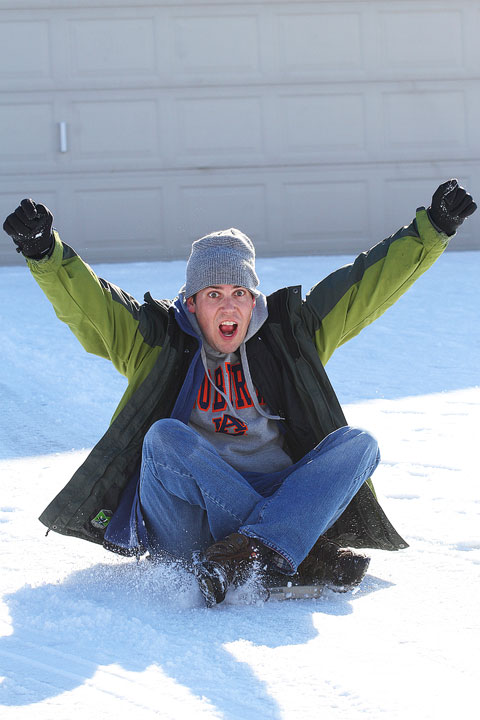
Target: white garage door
(313,126)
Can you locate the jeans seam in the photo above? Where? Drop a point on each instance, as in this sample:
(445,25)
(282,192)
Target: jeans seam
(226,510)
(151,466)
(367,472)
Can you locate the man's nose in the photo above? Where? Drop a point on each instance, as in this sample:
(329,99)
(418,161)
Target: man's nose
(229,302)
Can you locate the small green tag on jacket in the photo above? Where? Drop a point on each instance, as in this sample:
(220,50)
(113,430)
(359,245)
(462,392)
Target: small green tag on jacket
(102,519)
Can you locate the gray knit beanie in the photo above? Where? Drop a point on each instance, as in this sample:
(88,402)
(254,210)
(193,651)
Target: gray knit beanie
(222,258)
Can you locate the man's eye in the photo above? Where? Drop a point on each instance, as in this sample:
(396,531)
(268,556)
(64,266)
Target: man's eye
(240,293)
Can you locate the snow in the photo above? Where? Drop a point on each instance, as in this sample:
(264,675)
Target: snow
(85,632)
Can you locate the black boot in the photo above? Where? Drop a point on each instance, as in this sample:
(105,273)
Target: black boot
(228,562)
(329,564)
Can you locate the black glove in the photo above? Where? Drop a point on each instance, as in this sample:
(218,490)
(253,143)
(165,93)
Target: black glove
(30,228)
(451,204)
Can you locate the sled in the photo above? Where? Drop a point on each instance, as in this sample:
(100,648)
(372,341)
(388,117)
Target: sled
(294,592)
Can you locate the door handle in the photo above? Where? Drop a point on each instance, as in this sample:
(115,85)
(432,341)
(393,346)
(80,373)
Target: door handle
(62,128)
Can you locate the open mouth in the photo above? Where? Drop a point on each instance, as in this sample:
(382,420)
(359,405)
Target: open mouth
(228,328)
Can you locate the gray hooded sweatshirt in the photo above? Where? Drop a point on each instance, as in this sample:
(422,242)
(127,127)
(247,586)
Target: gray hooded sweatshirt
(228,411)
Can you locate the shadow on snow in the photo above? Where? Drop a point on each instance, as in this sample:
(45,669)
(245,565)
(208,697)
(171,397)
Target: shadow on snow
(137,616)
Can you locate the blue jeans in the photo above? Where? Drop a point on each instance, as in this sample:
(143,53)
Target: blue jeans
(191,498)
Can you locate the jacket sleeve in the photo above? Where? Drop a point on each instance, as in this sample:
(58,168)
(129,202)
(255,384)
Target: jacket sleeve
(106,320)
(338,307)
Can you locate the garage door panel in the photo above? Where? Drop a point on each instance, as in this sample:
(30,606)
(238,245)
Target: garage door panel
(319,42)
(108,46)
(116,129)
(212,44)
(111,220)
(33,35)
(426,121)
(213,127)
(323,123)
(27,132)
(410,39)
(471,32)
(315,211)
(206,208)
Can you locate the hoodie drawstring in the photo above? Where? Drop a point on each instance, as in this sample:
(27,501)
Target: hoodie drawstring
(251,389)
(226,396)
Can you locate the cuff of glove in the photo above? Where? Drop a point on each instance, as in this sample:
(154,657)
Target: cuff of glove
(437,228)
(43,253)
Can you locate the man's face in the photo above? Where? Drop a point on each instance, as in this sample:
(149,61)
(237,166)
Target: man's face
(223,313)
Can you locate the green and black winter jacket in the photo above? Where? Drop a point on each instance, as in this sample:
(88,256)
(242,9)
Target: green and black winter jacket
(286,357)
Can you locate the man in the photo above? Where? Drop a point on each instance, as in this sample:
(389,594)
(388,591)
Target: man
(229,448)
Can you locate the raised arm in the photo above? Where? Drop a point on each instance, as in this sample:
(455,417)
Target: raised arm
(341,305)
(106,320)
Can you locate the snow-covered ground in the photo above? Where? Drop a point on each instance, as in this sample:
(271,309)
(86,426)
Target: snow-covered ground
(84,633)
